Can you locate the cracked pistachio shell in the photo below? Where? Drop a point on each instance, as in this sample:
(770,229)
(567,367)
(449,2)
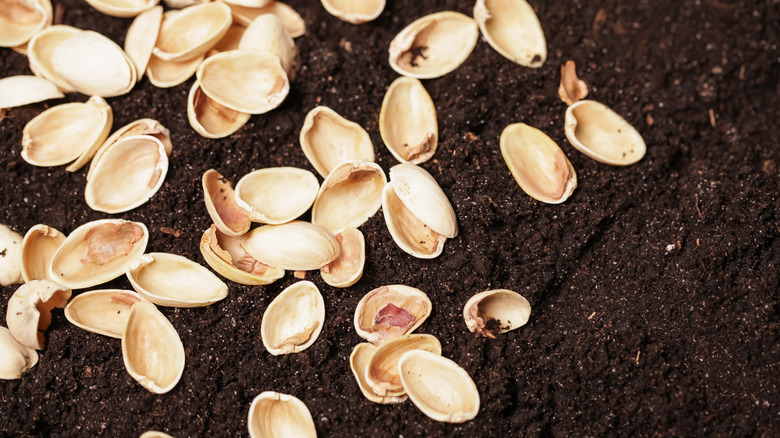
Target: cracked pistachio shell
(347,269)
(433,45)
(24,89)
(141,37)
(210,119)
(354,11)
(221,205)
(190,33)
(276,195)
(358,362)
(538,164)
(294,246)
(175,281)
(328,139)
(29,310)
(98,251)
(167,74)
(291,19)
(102,311)
(407,121)
(276,415)
(38,248)
(40,49)
(513,30)
(20,20)
(267,32)
(294,319)
(122,8)
(388,312)
(151,349)
(349,196)
(600,133)
(11,261)
(138,127)
(154,434)
(226,255)
(439,387)
(382,372)
(15,357)
(510,309)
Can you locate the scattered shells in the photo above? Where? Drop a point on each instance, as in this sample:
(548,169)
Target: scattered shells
(355,12)
(15,358)
(347,269)
(20,20)
(538,164)
(388,312)
(210,119)
(600,133)
(29,310)
(407,121)
(191,32)
(294,246)
(358,363)
(328,139)
(276,195)
(141,37)
(23,90)
(349,196)
(293,320)
(175,281)
(266,32)
(275,415)
(513,30)
(122,9)
(510,309)
(11,262)
(572,89)
(433,45)
(228,217)
(38,248)
(104,312)
(291,19)
(226,255)
(151,349)
(167,74)
(382,373)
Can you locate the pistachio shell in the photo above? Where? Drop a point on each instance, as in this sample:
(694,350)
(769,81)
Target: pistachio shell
(600,133)
(29,310)
(510,309)
(15,358)
(266,32)
(293,320)
(382,372)
(407,121)
(11,264)
(141,37)
(292,20)
(250,3)
(38,248)
(276,195)
(294,246)
(122,8)
(138,127)
(210,119)
(571,89)
(167,74)
(103,311)
(358,363)
(40,50)
(513,30)
(275,415)
(221,205)
(226,255)
(388,312)
(347,269)
(230,40)
(327,140)
(191,32)
(349,196)
(24,89)
(355,12)
(175,281)
(154,434)
(20,20)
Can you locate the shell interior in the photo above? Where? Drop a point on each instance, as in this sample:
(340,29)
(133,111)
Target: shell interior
(38,248)
(349,196)
(388,312)
(291,19)
(512,28)
(210,119)
(279,415)
(382,373)
(221,204)
(294,319)
(358,363)
(226,255)
(600,133)
(276,195)
(508,308)
(172,280)
(407,121)
(102,311)
(191,32)
(328,139)
(354,11)
(347,269)
(167,74)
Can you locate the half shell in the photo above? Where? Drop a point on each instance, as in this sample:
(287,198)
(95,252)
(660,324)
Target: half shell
(151,349)
(407,121)
(98,252)
(294,246)
(103,312)
(167,74)
(391,311)
(510,309)
(349,196)
(11,264)
(382,372)
(275,415)
(175,281)
(226,255)
(327,140)
(276,195)
(600,133)
(291,19)
(439,387)
(538,164)
(293,320)
(38,248)
(21,19)
(191,32)
(266,32)
(358,363)
(41,48)
(347,269)
(221,205)
(122,8)
(15,357)
(354,11)
(210,119)
(141,38)
(433,45)
(138,127)
(29,310)
(513,30)
(24,89)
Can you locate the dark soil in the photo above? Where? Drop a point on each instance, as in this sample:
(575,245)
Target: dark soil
(654,287)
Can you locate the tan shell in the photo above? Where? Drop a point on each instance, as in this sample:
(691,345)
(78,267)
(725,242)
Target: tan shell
(29,310)
(249,3)
(292,20)
(15,357)
(439,387)
(138,127)
(600,133)
(11,264)
(418,214)
(349,196)
(327,140)
(382,373)
(191,32)
(294,246)
(275,415)
(98,252)
(347,269)
(221,205)
(354,11)
(407,121)
(41,48)
(276,195)
(513,30)
(266,32)
(151,349)
(210,119)
(571,89)
(230,40)
(433,45)
(67,132)
(21,19)
(116,186)
(167,74)
(38,248)
(154,434)
(226,255)
(122,8)
(102,311)
(388,312)
(293,320)
(141,37)
(538,164)
(24,89)
(175,281)
(248,81)
(509,308)
(358,363)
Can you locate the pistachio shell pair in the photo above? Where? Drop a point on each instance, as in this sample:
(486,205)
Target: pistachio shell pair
(11,263)
(355,12)
(358,363)
(293,320)
(29,310)
(407,121)
(508,308)
(38,248)
(391,311)
(15,357)
(175,281)
(600,133)
(226,255)
(104,311)
(328,139)
(275,415)
(382,373)
(349,196)
(24,90)
(512,28)
(20,20)
(276,195)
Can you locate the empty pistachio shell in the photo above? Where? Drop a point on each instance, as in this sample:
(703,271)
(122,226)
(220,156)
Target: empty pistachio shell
(230,40)
(407,121)
(103,311)
(210,119)
(439,387)
(20,20)
(137,127)
(175,281)
(266,32)
(151,349)
(191,32)
(347,269)
(275,415)
(41,48)
(154,434)
(355,12)
(15,358)
(291,19)
(167,74)
(249,3)
(538,164)
(600,133)
(327,140)
(293,320)
(38,248)
(294,246)
(221,205)
(349,196)
(276,195)
(29,310)
(513,30)
(24,89)
(122,9)
(571,89)
(433,45)
(358,363)
(141,37)
(509,309)
(382,372)
(11,263)
(391,311)
(98,251)
(226,255)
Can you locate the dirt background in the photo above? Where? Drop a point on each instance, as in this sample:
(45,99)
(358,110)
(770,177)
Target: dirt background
(654,287)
